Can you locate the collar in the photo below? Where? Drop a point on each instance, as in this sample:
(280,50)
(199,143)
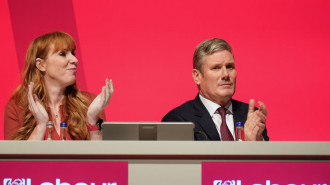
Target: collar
(213,107)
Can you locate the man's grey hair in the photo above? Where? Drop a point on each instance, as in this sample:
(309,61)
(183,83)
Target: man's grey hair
(208,47)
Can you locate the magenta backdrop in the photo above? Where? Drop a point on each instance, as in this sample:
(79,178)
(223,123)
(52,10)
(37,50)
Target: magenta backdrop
(146,47)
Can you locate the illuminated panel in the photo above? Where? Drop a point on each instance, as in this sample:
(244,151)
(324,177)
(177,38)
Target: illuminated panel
(31,19)
(9,71)
(147,47)
(64,173)
(265,173)
(281,52)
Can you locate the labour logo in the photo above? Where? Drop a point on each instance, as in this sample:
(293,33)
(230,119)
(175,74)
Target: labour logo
(227,182)
(9,181)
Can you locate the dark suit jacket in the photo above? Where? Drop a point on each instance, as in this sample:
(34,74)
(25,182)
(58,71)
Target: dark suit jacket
(195,111)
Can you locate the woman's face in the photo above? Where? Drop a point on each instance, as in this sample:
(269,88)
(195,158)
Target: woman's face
(60,67)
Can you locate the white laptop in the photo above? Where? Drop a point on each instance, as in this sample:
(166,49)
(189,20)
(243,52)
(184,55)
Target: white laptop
(148,131)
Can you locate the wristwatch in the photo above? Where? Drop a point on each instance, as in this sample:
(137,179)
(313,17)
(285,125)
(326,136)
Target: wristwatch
(97,126)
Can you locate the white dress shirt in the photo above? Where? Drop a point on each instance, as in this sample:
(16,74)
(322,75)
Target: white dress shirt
(212,108)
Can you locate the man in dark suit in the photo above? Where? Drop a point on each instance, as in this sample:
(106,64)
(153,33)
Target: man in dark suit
(213,111)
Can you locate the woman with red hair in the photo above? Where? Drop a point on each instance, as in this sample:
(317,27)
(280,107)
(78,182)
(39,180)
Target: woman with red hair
(49,93)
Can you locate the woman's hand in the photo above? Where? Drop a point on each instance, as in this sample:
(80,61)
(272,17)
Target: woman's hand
(100,102)
(39,113)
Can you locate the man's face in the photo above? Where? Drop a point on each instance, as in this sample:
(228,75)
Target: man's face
(217,81)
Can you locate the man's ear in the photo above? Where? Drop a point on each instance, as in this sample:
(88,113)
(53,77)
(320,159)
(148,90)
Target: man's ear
(41,64)
(197,75)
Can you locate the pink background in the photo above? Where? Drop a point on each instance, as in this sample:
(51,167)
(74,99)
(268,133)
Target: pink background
(281,50)
(69,172)
(280,173)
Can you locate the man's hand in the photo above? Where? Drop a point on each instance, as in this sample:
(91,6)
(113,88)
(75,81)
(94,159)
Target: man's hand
(255,123)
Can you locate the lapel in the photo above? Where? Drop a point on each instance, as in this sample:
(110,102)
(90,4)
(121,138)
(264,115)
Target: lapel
(239,111)
(204,120)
